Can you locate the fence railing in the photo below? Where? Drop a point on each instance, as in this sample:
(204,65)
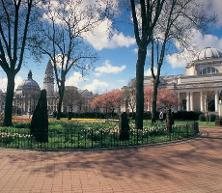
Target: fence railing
(91,139)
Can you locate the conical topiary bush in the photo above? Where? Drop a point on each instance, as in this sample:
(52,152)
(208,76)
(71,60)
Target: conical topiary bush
(124,127)
(39,123)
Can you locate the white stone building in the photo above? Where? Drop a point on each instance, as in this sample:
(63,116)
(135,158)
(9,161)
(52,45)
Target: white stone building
(199,87)
(2,101)
(27,94)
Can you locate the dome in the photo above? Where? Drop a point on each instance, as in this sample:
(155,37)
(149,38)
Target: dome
(209,53)
(28,86)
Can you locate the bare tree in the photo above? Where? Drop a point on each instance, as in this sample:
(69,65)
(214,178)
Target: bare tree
(62,38)
(145,14)
(132,99)
(130,96)
(177,19)
(14,27)
(72,98)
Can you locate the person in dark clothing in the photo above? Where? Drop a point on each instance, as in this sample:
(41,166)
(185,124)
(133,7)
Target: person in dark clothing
(161,116)
(169,120)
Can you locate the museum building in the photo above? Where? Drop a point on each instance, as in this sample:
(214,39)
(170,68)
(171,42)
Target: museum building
(27,94)
(199,87)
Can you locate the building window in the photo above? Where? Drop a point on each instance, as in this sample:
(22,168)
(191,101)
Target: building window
(208,70)
(184,105)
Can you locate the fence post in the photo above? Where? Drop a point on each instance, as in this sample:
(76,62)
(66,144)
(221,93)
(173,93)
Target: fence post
(187,130)
(169,134)
(92,139)
(142,136)
(85,138)
(196,128)
(137,136)
(101,138)
(78,140)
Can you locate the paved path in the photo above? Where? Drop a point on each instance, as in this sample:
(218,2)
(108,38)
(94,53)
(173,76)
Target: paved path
(188,167)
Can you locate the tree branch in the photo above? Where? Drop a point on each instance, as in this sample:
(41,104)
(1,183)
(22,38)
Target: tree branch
(25,31)
(135,21)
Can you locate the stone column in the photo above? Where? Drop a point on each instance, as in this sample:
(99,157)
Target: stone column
(220,109)
(148,106)
(201,101)
(24,105)
(205,102)
(191,101)
(188,101)
(216,98)
(179,102)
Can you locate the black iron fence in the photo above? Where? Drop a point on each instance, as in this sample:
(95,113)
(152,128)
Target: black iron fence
(91,139)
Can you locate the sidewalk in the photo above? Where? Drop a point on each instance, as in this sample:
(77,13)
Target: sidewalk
(187,167)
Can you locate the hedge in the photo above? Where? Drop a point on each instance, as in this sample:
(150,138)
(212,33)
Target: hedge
(187,115)
(209,117)
(180,115)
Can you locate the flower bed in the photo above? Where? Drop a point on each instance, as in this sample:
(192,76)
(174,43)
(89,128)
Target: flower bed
(76,134)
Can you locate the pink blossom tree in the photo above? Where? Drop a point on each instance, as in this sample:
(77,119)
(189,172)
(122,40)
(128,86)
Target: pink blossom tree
(148,97)
(166,98)
(108,102)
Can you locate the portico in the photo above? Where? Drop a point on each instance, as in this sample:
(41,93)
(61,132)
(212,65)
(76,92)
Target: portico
(199,87)
(198,100)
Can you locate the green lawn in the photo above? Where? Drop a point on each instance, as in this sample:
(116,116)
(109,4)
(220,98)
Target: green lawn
(206,124)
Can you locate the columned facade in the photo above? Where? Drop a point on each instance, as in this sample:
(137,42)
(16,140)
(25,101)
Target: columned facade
(199,87)
(216,100)
(198,100)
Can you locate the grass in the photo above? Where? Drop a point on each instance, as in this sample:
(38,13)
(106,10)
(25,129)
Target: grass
(206,124)
(89,133)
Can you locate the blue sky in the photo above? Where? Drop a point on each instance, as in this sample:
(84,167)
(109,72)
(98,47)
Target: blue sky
(117,56)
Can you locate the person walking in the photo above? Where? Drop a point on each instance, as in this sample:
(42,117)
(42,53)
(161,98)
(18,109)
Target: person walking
(161,116)
(169,120)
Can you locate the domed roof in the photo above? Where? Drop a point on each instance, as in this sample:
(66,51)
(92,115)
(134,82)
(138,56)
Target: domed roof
(209,53)
(29,85)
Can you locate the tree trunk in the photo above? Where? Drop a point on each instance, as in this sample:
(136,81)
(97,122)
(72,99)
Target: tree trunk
(154,99)
(9,99)
(59,109)
(156,82)
(61,95)
(140,87)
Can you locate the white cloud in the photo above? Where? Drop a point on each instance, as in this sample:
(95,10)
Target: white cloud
(3,84)
(217,7)
(75,79)
(103,36)
(83,11)
(197,41)
(120,40)
(97,86)
(213,7)
(178,60)
(135,50)
(18,80)
(148,71)
(4,81)
(107,68)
